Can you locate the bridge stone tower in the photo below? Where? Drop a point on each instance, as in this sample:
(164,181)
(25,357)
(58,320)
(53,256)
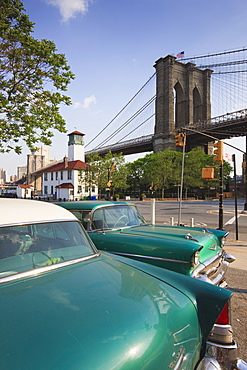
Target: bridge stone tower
(182,98)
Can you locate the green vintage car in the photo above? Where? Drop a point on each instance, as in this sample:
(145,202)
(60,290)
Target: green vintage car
(65,305)
(118,227)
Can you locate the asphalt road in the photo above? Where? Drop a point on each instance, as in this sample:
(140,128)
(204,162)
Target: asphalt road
(201,213)
(205,214)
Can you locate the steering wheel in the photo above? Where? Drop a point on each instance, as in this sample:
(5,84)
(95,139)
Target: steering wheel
(120,218)
(49,260)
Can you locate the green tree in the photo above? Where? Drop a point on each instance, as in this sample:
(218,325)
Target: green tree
(163,169)
(32,77)
(194,161)
(136,176)
(101,170)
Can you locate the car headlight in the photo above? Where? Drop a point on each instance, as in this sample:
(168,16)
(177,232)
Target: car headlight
(223,241)
(195,259)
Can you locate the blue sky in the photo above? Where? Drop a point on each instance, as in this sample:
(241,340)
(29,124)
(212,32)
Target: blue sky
(112,45)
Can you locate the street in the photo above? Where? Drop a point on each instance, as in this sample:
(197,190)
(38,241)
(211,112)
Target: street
(205,214)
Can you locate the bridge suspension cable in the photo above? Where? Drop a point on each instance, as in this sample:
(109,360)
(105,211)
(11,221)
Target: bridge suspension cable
(121,110)
(126,123)
(216,54)
(131,132)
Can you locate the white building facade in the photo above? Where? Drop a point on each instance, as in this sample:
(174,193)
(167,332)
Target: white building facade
(65,179)
(24,191)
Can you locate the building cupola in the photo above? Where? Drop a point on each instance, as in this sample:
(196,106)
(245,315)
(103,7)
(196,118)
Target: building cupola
(76,146)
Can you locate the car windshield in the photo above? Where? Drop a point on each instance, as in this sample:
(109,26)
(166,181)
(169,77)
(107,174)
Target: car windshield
(27,247)
(117,216)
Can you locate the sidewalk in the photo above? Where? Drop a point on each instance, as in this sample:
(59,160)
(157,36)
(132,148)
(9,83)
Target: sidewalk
(238,248)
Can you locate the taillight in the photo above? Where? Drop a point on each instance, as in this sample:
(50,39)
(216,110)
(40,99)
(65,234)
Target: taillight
(224,316)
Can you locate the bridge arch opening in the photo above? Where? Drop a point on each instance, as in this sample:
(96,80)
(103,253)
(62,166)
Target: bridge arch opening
(179,105)
(197,106)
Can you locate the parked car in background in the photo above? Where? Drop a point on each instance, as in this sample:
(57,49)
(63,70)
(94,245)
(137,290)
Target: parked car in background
(65,305)
(119,228)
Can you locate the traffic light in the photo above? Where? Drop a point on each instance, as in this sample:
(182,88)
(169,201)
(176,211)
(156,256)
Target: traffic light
(219,151)
(208,173)
(180,139)
(113,167)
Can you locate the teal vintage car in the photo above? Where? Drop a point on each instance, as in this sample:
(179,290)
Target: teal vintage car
(118,227)
(65,305)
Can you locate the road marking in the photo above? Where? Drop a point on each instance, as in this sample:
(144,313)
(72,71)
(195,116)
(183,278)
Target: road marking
(231,221)
(225,211)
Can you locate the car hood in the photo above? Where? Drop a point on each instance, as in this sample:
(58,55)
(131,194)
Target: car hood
(181,238)
(97,314)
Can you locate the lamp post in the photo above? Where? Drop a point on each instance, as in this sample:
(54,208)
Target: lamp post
(245,169)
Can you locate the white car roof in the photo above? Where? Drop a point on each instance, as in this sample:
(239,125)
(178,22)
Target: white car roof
(22,211)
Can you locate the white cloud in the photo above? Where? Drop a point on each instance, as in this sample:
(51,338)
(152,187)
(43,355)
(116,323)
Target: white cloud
(70,8)
(77,105)
(86,103)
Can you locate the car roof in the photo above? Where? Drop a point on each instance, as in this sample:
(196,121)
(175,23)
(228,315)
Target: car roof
(84,204)
(22,211)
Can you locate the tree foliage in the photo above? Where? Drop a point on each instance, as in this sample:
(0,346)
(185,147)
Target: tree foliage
(163,169)
(32,78)
(137,181)
(111,168)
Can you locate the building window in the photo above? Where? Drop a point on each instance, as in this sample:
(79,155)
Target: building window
(45,189)
(45,176)
(69,175)
(56,175)
(86,189)
(61,175)
(79,189)
(51,176)
(51,189)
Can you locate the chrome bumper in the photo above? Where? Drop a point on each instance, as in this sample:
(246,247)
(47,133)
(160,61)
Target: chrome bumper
(222,357)
(213,270)
(221,351)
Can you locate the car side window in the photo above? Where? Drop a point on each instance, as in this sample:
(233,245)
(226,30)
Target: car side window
(46,244)
(98,219)
(83,217)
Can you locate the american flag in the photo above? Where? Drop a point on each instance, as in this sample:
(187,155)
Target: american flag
(228,157)
(180,55)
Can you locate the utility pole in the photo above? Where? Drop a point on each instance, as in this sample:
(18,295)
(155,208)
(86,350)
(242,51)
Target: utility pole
(219,157)
(180,140)
(245,169)
(221,198)
(235,195)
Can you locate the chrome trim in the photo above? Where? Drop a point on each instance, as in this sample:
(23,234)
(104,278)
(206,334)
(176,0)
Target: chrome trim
(208,363)
(213,270)
(38,222)
(190,237)
(221,334)
(209,262)
(241,364)
(40,270)
(146,257)
(205,230)
(229,258)
(226,355)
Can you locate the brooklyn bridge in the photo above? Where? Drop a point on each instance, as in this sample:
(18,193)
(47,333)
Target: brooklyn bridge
(203,96)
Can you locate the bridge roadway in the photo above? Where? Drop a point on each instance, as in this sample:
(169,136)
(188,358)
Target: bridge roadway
(222,127)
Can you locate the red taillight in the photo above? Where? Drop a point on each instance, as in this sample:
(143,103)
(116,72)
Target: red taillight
(224,316)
